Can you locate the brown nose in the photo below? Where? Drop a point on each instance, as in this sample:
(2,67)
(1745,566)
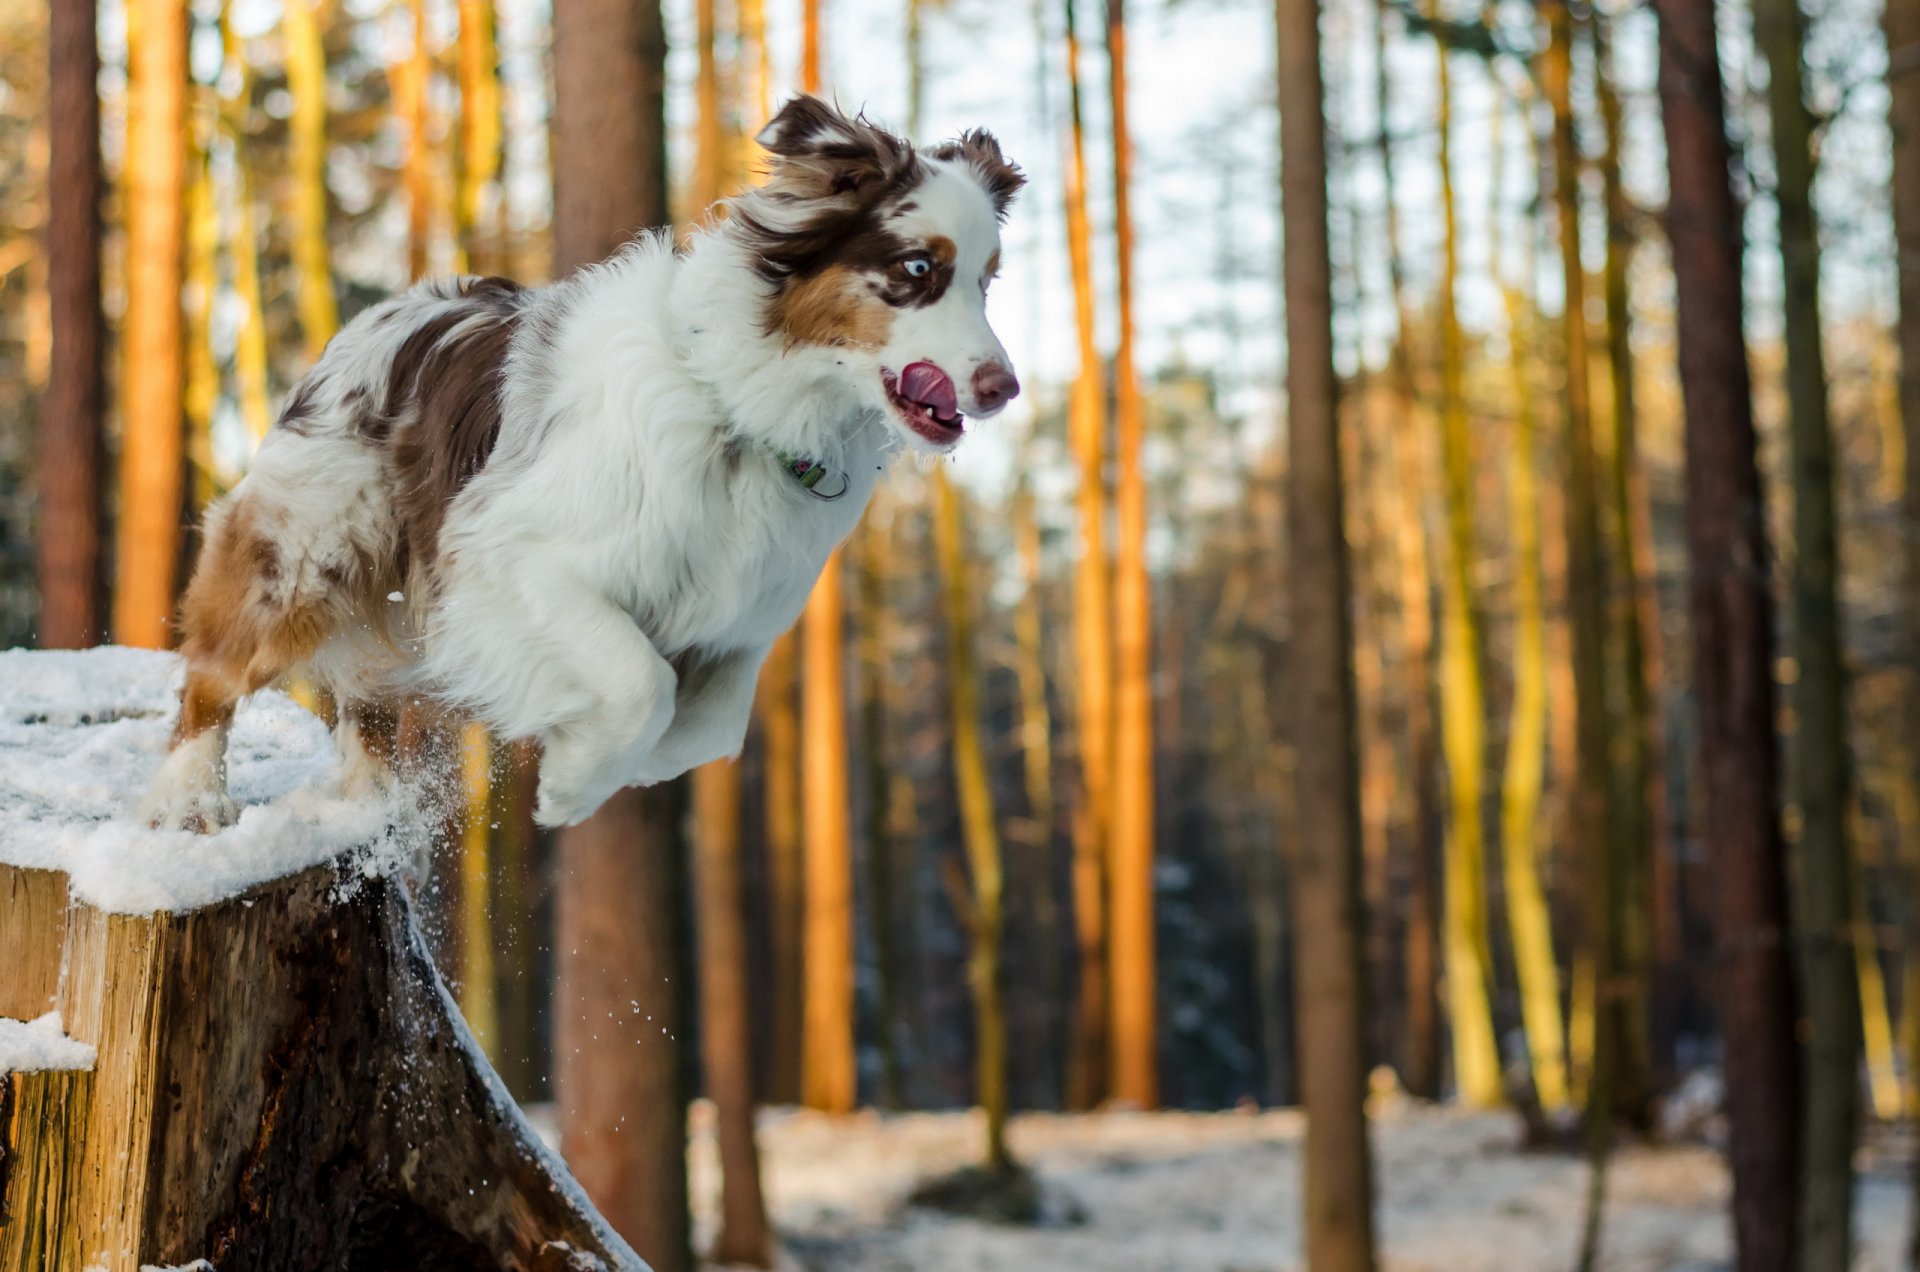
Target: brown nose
(994,386)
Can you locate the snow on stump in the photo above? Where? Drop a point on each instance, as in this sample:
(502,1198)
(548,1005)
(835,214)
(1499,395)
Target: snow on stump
(235,1047)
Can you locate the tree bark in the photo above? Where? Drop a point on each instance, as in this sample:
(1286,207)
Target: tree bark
(1640,807)
(775,699)
(72,411)
(1088,1081)
(985,916)
(1529,916)
(1332,983)
(618,1080)
(152,430)
(1732,612)
(1420,1062)
(307,156)
(1818,745)
(1135,1062)
(828,1071)
(324,1109)
(618,1073)
(1463,702)
(1901,20)
(726,1030)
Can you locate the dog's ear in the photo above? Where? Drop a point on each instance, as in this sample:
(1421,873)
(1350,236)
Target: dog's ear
(980,151)
(821,153)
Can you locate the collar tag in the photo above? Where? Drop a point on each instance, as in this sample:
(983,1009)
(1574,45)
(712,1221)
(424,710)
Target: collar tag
(809,473)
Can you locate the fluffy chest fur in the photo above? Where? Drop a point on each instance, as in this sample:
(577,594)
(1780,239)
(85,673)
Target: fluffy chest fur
(618,467)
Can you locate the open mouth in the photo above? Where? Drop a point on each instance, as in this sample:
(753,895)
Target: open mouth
(924,397)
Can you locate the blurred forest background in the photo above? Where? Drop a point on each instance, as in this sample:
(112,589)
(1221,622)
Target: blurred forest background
(1072,790)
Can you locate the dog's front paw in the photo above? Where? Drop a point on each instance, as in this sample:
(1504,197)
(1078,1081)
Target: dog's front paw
(560,805)
(190,791)
(202,811)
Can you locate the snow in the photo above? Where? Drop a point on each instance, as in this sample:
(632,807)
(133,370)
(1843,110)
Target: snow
(1207,1192)
(40,1045)
(82,734)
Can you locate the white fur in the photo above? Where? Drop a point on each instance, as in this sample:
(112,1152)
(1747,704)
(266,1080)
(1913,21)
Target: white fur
(632,514)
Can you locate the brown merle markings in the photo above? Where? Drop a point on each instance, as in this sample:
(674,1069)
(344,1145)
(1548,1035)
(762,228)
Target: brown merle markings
(298,414)
(831,308)
(446,380)
(842,183)
(980,151)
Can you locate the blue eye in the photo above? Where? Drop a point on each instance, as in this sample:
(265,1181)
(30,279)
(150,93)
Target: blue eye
(917,266)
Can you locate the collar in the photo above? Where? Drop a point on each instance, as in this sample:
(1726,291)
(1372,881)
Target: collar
(812,474)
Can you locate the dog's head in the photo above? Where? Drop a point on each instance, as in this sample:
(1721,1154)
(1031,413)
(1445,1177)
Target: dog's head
(884,255)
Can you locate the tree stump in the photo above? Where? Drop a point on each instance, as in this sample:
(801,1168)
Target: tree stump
(281,1083)
(260,1068)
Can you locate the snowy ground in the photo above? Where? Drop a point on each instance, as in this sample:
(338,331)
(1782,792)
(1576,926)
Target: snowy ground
(1175,1192)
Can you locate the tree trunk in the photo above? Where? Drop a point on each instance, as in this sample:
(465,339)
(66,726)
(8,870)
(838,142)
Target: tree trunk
(828,1072)
(1818,746)
(1463,701)
(1901,19)
(72,411)
(726,1030)
(985,913)
(307,156)
(1331,984)
(478,229)
(243,247)
(618,1080)
(1420,1065)
(1732,612)
(152,425)
(1640,808)
(1589,820)
(786,904)
(1528,914)
(617,1069)
(1135,1065)
(345,1119)
(1087,1077)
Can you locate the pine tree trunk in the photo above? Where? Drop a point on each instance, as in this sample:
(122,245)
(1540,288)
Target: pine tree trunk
(1640,817)
(152,425)
(1732,612)
(618,1070)
(1463,703)
(72,410)
(1901,19)
(1420,1066)
(775,701)
(985,914)
(1818,746)
(243,248)
(1331,985)
(827,1065)
(1135,1063)
(1088,1081)
(726,1031)
(1589,820)
(307,156)
(477,226)
(1528,914)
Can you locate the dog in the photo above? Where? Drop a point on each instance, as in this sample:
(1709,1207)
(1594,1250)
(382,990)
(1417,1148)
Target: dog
(582,513)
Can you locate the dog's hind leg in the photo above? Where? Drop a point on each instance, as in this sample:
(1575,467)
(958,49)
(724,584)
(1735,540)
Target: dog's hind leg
(368,736)
(242,627)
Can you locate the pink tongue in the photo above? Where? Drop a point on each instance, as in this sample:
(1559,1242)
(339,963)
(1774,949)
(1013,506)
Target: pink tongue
(928,385)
